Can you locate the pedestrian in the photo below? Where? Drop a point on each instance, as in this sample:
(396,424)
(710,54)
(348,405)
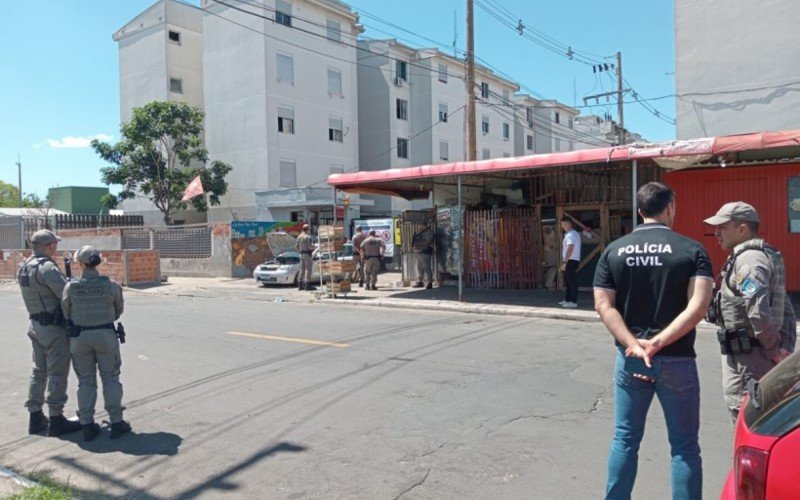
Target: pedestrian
(756,320)
(91,305)
(358,258)
(305,246)
(570,258)
(42,284)
(422,245)
(651,288)
(373,249)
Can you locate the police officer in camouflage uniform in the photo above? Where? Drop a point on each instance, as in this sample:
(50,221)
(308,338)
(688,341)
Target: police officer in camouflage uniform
(373,249)
(358,257)
(305,247)
(422,245)
(42,284)
(751,306)
(91,305)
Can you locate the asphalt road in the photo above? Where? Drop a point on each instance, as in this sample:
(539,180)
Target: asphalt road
(390,404)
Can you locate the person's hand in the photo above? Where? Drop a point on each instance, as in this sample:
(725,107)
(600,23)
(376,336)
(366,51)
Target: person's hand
(777,355)
(563,267)
(643,349)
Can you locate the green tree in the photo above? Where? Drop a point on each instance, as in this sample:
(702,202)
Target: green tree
(159,154)
(9,195)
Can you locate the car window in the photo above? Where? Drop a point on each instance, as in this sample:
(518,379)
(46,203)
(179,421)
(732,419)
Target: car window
(774,409)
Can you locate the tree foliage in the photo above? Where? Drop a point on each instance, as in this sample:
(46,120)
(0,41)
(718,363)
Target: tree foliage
(9,197)
(159,153)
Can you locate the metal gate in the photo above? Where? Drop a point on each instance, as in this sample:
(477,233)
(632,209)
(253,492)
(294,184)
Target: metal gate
(501,249)
(12,233)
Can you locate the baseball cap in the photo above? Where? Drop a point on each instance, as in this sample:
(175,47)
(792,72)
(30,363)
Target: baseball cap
(88,255)
(44,237)
(306,226)
(735,210)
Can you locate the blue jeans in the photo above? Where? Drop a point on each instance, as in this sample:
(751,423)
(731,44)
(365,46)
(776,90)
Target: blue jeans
(678,390)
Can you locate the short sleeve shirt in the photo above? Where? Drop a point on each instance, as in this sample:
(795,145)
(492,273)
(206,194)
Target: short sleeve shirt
(571,238)
(650,270)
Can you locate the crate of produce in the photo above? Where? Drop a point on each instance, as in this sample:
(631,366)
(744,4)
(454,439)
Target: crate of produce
(336,245)
(340,287)
(330,232)
(337,267)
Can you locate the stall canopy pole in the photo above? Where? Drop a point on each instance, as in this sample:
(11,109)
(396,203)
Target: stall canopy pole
(460,243)
(634,189)
(334,206)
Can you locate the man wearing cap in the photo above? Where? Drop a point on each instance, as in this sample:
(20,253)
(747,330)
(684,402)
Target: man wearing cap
(91,305)
(756,321)
(42,284)
(373,249)
(358,258)
(305,247)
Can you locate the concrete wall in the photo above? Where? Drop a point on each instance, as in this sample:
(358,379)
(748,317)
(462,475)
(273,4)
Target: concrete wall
(102,239)
(127,267)
(218,265)
(736,66)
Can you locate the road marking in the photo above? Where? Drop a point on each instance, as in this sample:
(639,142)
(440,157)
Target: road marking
(288,339)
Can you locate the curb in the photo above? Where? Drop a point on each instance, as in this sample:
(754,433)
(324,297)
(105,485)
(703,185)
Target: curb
(8,475)
(520,311)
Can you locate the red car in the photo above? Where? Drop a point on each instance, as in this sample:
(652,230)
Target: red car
(766,464)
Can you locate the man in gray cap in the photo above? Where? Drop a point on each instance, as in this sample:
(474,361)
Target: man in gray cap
(358,257)
(750,306)
(91,305)
(42,284)
(305,247)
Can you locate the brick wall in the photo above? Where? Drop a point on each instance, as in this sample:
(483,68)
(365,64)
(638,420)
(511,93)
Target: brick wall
(128,267)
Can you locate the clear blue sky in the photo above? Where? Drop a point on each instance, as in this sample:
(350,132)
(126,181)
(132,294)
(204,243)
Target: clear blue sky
(59,77)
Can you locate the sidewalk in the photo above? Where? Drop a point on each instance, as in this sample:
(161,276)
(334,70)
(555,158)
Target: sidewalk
(390,293)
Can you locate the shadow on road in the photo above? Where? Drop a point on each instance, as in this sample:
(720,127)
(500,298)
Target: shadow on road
(135,443)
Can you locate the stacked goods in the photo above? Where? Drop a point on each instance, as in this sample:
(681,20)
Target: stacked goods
(337,267)
(340,287)
(336,245)
(333,232)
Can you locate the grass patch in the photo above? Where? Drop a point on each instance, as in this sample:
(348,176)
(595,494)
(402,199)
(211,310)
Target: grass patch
(48,489)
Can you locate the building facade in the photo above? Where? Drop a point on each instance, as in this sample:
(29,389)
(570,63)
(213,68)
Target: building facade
(735,66)
(281,100)
(412,112)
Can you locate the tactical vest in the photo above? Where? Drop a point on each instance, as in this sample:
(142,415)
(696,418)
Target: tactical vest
(91,301)
(732,307)
(304,243)
(38,297)
(372,247)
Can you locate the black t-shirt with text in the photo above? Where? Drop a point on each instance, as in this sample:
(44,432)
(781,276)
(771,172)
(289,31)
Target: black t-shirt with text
(649,269)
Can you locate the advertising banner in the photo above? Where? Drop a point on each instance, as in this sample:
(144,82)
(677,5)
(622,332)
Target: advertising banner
(384,229)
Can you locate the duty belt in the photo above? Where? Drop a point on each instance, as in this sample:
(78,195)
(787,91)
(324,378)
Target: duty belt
(45,318)
(107,326)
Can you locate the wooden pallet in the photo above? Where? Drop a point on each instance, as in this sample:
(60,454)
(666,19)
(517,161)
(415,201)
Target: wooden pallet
(337,267)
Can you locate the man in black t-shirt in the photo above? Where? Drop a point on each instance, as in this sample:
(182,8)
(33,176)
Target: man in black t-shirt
(651,288)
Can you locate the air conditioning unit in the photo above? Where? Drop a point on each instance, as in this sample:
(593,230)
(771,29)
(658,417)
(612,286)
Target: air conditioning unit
(399,81)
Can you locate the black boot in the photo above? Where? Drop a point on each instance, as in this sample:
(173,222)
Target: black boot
(37,423)
(90,431)
(301,285)
(360,284)
(60,425)
(418,284)
(429,286)
(119,428)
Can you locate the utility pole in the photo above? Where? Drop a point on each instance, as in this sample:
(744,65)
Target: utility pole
(620,92)
(19,180)
(472,146)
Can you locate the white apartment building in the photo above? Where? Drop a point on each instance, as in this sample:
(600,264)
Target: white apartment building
(603,129)
(545,126)
(160,58)
(736,67)
(412,112)
(281,104)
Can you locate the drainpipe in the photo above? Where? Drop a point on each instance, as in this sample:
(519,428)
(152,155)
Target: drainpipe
(634,188)
(460,244)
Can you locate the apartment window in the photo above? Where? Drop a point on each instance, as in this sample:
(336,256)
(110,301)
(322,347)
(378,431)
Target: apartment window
(176,85)
(570,123)
(484,90)
(443,73)
(335,133)
(529,142)
(287,173)
(285,65)
(443,112)
(506,131)
(444,151)
(485,124)
(529,116)
(333,31)
(334,81)
(402,148)
(558,117)
(401,108)
(283,12)
(285,120)
(337,169)
(401,70)
(174,37)
(486,154)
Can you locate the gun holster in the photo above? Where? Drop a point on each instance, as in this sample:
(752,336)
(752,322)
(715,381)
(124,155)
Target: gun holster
(735,341)
(73,330)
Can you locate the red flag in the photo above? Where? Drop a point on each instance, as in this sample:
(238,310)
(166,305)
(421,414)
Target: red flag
(193,189)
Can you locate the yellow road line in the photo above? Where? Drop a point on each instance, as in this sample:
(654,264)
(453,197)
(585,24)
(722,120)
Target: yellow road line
(288,339)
